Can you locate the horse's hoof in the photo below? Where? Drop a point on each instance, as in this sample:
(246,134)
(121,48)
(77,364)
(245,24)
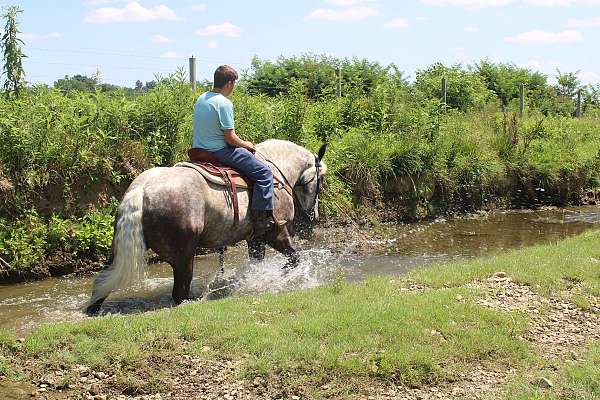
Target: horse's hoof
(292,262)
(93,309)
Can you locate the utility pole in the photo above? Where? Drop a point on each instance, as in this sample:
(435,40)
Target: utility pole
(193,72)
(338,90)
(521,100)
(578,109)
(444,92)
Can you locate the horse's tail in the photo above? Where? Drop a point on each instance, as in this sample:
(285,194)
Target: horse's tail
(129,248)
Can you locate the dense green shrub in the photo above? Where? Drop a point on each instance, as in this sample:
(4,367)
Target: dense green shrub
(66,155)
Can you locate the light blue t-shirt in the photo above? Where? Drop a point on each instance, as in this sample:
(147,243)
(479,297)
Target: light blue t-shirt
(213,113)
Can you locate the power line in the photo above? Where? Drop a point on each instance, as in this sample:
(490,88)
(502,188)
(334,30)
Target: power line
(98,66)
(132,54)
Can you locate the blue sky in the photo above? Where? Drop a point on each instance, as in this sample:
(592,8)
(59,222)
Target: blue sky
(131,40)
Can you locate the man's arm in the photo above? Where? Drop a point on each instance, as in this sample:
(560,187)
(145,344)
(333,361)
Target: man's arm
(232,139)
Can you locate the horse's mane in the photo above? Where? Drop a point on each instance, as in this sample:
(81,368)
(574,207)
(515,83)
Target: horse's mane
(284,150)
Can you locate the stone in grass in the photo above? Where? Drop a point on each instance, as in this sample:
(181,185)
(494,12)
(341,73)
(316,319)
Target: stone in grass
(499,275)
(543,383)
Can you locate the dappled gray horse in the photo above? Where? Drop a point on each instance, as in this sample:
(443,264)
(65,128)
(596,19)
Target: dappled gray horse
(175,210)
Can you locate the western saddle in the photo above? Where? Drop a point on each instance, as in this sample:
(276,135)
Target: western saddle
(207,165)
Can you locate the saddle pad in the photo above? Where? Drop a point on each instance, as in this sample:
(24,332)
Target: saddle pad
(212,175)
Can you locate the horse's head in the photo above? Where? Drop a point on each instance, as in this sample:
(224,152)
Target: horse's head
(309,185)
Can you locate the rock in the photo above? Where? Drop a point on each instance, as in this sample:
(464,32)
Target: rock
(100,375)
(94,389)
(295,397)
(543,383)
(499,274)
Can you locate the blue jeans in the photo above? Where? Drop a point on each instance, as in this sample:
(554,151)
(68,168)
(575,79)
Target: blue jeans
(251,167)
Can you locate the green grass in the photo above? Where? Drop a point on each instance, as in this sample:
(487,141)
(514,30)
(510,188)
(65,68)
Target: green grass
(366,332)
(579,381)
(547,268)
(372,329)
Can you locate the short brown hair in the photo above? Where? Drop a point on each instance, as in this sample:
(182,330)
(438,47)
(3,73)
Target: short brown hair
(224,74)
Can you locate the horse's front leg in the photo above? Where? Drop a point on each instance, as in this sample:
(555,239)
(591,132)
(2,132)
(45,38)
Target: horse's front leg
(183,271)
(281,241)
(256,250)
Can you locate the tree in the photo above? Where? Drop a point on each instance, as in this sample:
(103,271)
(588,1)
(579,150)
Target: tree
(79,83)
(12,53)
(466,90)
(505,80)
(319,73)
(567,83)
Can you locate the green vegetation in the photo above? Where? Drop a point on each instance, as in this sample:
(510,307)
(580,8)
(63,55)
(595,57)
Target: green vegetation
(10,44)
(572,260)
(71,150)
(375,331)
(66,153)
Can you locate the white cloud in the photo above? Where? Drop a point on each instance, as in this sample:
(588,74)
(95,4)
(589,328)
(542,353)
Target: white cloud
(101,2)
(347,14)
(212,44)
(132,12)
(471,29)
(34,37)
(561,3)
(583,23)
(471,5)
(161,39)
(346,3)
(398,23)
(537,36)
(225,29)
(199,7)
(171,55)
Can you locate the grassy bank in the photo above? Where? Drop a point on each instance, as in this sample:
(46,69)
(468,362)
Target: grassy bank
(428,329)
(66,156)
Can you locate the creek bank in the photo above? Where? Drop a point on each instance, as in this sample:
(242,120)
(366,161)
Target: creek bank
(558,327)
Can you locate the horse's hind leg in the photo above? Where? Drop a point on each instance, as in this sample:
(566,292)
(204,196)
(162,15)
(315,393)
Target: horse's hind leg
(183,271)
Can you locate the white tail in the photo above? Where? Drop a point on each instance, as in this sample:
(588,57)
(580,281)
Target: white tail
(129,249)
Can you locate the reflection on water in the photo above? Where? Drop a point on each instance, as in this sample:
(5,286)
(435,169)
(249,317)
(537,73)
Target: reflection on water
(354,253)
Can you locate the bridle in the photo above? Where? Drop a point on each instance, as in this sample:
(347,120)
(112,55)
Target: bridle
(311,213)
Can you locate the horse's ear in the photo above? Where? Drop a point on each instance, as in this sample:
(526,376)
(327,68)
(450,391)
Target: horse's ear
(322,151)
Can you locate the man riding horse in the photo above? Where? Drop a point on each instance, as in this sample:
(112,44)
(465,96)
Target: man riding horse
(214,131)
(175,210)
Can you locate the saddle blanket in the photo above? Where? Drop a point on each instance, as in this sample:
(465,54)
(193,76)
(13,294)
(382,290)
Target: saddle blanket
(212,174)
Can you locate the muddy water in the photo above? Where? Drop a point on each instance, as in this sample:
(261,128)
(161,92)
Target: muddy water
(351,252)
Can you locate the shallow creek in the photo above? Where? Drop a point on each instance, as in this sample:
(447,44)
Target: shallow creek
(351,252)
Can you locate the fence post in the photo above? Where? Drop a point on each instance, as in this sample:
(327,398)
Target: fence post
(338,89)
(193,72)
(444,93)
(521,99)
(578,109)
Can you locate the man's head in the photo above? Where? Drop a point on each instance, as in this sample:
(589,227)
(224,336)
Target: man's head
(224,80)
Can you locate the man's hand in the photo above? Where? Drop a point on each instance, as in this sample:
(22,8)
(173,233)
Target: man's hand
(250,147)
(232,139)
